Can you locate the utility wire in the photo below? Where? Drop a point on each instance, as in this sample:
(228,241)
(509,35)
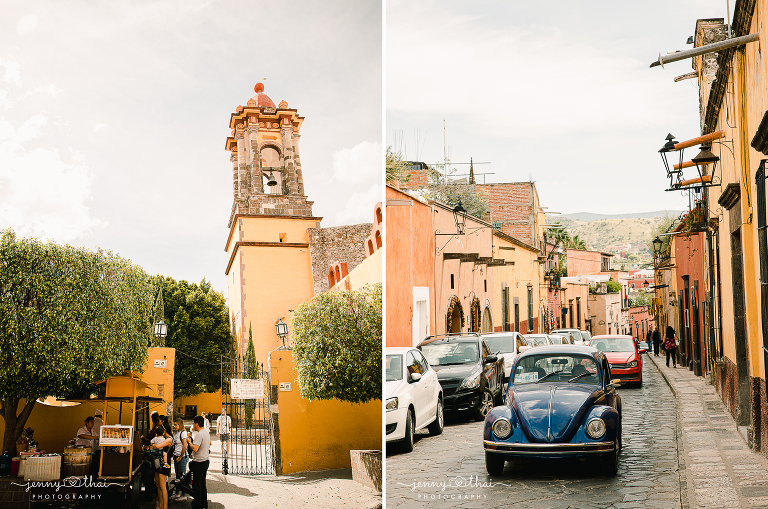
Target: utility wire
(198,358)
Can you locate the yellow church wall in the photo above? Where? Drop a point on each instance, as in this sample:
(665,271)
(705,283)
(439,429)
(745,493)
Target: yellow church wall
(208,402)
(275,276)
(368,272)
(318,435)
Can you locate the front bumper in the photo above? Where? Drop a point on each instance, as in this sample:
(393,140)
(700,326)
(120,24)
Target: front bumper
(396,424)
(464,400)
(548,450)
(627,375)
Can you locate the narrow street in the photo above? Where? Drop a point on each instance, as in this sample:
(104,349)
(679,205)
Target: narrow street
(449,470)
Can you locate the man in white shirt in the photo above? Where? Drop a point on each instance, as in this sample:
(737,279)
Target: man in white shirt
(223,425)
(86,437)
(198,465)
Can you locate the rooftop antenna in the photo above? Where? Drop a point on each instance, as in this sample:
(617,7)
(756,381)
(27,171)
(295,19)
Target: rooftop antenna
(445,154)
(728,13)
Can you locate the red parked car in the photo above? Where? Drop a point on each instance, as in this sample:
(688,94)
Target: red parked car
(623,356)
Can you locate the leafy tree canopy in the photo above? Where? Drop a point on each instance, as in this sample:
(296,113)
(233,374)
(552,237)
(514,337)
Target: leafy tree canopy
(396,168)
(198,326)
(613,286)
(68,317)
(666,224)
(337,345)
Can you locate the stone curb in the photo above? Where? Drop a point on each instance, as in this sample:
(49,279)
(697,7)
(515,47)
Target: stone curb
(682,476)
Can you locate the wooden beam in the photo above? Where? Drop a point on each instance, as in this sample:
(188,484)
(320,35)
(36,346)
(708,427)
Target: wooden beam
(701,139)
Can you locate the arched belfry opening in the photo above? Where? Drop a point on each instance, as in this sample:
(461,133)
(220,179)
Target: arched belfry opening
(266,167)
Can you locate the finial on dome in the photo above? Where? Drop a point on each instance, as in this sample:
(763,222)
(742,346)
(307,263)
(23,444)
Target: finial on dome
(259,88)
(283,105)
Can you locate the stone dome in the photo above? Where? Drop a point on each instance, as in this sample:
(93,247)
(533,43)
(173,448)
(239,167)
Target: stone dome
(260,100)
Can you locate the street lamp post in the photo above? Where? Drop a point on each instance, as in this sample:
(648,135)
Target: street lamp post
(160,332)
(282,330)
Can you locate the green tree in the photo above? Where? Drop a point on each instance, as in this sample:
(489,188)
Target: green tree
(640,299)
(68,317)
(198,328)
(396,168)
(337,345)
(666,224)
(453,192)
(251,372)
(613,286)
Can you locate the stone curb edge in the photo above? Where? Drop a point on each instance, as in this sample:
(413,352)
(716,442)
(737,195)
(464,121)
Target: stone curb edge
(682,476)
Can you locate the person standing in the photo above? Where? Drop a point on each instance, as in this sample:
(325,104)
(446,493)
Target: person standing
(656,342)
(98,422)
(198,465)
(161,474)
(223,426)
(670,345)
(180,456)
(87,438)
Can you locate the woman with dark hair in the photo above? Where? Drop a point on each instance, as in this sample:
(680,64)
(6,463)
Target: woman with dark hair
(161,474)
(670,345)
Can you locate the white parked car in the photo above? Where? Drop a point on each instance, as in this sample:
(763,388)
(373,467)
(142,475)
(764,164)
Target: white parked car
(507,345)
(575,334)
(414,396)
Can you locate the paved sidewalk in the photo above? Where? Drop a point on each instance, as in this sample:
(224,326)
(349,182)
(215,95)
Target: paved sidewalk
(331,489)
(717,469)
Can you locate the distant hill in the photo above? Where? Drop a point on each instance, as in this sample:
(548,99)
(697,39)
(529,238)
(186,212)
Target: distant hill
(614,233)
(591,216)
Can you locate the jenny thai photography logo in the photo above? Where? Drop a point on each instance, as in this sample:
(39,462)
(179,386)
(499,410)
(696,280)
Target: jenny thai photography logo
(453,488)
(68,489)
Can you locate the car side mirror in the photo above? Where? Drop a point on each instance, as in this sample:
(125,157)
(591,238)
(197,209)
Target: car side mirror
(415,377)
(491,358)
(616,383)
(643,350)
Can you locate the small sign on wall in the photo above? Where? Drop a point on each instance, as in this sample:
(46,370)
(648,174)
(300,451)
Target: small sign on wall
(243,388)
(285,386)
(161,363)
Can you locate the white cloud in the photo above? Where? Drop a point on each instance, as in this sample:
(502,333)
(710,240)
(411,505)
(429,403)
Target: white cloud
(99,127)
(359,207)
(12,71)
(359,163)
(41,194)
(27,24)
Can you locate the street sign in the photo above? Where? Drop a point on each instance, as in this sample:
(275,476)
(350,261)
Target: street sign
(244,388)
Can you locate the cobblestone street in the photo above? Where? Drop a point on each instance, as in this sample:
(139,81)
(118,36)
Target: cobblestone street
(648,471)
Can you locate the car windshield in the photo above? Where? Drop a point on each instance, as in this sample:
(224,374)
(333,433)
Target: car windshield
(501,344)
(556,367)
(613,344)
(394,367)
(443,353)
(538,340)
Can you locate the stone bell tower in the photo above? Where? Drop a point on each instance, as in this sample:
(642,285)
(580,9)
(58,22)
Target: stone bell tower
(269,271)
(266,167)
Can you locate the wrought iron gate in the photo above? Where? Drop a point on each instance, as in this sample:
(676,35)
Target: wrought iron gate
(245,395)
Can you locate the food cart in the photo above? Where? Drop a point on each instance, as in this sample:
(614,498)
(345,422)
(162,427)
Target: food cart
(127,404)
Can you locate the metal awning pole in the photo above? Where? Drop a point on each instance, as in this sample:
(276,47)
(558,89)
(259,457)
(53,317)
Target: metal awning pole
(707,48)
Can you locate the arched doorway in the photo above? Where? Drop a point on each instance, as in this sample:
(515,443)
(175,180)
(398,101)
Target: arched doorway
(474,315)
(454,318)
(487,320)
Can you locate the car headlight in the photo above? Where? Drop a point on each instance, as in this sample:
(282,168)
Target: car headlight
(502,428)
(391,404)
(471,382)
(596,428)
(632,364)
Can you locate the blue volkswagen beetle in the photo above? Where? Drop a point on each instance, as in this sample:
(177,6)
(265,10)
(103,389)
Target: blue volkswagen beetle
(560,402)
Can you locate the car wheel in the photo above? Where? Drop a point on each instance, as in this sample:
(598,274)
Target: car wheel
(408,440)
(612,459)
(436,427)
(494,463)
(640,383)
(486,404)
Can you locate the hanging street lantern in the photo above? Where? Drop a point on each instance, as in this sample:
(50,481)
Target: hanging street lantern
(460,216)
(282,330)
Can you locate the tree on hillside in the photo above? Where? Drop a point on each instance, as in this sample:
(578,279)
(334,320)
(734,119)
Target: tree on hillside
(337,345)
(198,326)
(666,224)
(68,317)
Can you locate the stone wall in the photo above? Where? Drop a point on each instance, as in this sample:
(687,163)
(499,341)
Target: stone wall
(337,244)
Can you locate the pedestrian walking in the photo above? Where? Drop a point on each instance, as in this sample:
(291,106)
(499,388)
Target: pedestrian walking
(656,342)
(198,465)
(670,345)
